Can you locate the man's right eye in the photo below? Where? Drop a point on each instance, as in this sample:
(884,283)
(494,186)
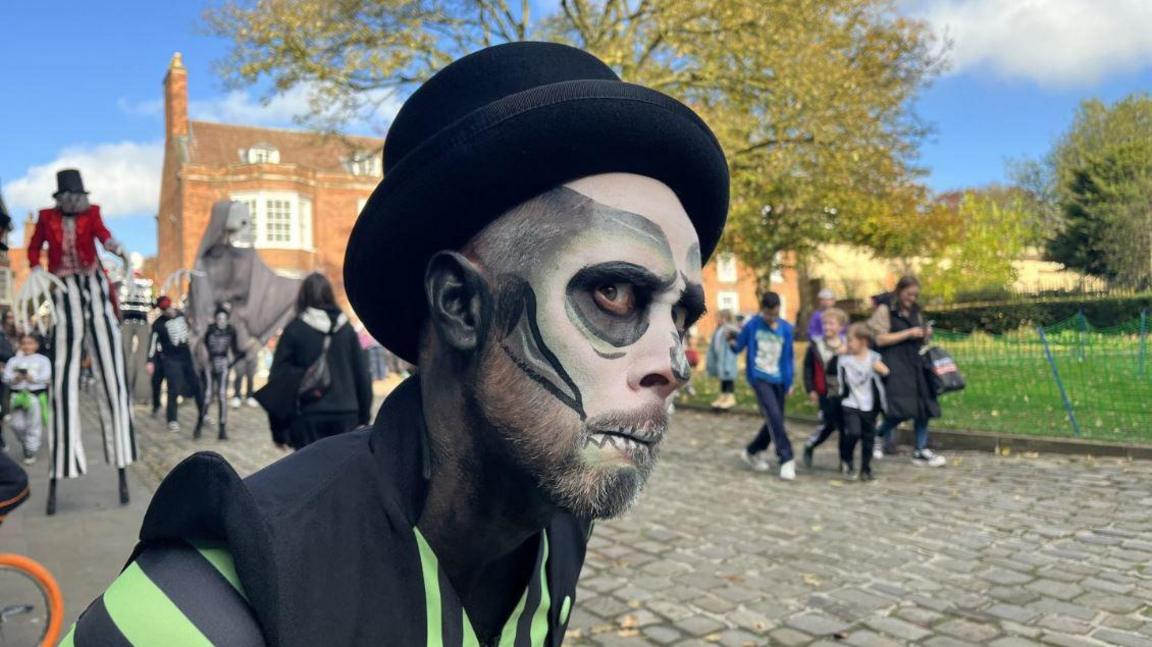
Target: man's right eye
(617,299)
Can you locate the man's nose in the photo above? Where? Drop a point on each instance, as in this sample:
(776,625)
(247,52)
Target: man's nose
(660,366)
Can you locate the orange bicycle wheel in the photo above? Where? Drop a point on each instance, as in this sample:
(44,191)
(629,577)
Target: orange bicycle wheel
(43,579)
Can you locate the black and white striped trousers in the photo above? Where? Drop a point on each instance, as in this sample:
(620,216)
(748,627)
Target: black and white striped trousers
(84,311)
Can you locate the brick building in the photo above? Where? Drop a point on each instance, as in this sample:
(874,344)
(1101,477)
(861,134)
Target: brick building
(305,189)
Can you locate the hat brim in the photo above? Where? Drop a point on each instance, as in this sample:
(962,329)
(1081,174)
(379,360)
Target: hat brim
(449,188)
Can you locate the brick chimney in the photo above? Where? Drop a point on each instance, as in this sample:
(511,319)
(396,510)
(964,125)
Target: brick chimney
(176,99)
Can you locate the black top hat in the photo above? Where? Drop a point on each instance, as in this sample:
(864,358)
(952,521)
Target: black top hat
(68,180)
(499,127)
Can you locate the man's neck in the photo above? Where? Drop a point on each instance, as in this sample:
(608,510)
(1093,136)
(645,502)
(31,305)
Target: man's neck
(480,510)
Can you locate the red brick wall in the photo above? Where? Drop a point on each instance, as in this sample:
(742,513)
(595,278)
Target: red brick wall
(335,202)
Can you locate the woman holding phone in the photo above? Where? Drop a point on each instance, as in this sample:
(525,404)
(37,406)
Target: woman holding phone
(901,332)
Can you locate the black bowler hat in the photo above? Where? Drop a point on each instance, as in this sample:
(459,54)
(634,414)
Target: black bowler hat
(68,181)
(495,129)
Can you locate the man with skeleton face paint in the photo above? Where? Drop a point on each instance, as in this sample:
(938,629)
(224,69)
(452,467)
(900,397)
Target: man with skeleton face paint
(535,249)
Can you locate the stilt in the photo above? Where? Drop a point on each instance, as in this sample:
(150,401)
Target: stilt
(223,433)
(51,508)
(123,486)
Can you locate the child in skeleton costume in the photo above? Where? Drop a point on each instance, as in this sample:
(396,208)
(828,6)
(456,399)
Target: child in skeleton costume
(170,341)
(84,312)
(27,375)
(220,342)
(535,248)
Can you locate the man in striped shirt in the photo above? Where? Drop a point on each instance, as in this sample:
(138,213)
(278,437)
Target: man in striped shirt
(544,294)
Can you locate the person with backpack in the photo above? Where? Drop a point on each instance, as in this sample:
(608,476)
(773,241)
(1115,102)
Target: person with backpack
(821,379)
(319,342)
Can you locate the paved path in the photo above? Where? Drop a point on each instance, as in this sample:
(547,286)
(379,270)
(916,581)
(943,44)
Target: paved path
(1006,551)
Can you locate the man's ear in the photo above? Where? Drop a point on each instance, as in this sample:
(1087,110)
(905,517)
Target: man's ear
(458,300)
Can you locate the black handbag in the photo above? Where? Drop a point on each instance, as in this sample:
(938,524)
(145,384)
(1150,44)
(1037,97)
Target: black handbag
(317,379)
(943,374)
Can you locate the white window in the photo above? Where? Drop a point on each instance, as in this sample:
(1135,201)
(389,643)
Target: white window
(726,270)
(280,220)
(306,223)
(262,154)
(366,164)
(729,301)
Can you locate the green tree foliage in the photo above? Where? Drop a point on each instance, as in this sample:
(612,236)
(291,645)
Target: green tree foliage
(972,244)
(1098,179)
(810,98)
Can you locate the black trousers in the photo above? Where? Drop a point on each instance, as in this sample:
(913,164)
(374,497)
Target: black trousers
(859,426)
(727,386)
(831,421)
(310,427)
(181,371)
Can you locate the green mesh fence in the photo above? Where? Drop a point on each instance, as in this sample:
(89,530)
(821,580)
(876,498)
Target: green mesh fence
(1069,378)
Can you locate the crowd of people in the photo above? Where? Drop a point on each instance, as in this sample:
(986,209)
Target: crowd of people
(855,373)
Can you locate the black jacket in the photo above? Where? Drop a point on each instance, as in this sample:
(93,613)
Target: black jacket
(324,541)
(909,393)
(300,346)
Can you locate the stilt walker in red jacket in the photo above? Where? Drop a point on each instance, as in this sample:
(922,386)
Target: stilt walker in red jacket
(84,310)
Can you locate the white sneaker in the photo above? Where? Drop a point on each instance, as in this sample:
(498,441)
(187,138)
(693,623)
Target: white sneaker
(30,460)
(927,458)
(235,403)
(877,453)
(174,427)
(756,461)
(788,471)
(252,402)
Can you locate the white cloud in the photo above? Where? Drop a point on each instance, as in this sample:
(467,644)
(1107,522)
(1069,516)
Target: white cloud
(239,107)
(1052,42)
(123,178)
(283,110)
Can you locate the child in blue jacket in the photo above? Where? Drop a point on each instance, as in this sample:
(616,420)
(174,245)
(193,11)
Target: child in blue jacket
(769,370)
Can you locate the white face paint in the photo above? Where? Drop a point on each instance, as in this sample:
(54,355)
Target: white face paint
(72,203)
(596,284)
(221,320)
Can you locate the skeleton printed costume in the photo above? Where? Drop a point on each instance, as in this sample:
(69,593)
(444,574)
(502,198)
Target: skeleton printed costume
(85,312)
(172,354)
(220,342)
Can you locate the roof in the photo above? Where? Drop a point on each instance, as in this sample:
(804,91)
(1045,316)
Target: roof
(214,144)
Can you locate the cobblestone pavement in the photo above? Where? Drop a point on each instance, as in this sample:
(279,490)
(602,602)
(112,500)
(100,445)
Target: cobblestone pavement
(1004,551)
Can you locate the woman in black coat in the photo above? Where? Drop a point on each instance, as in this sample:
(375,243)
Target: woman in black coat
(346,403)
(901,333)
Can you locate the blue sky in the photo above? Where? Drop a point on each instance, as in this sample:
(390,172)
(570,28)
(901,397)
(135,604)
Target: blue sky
(81,84)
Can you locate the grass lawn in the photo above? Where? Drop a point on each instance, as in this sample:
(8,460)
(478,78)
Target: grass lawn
(1011,388)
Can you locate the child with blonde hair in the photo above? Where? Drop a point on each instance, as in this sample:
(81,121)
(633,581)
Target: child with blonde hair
(861,385)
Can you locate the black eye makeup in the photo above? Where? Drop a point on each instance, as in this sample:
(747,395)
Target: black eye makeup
(690,307)
(611,300)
